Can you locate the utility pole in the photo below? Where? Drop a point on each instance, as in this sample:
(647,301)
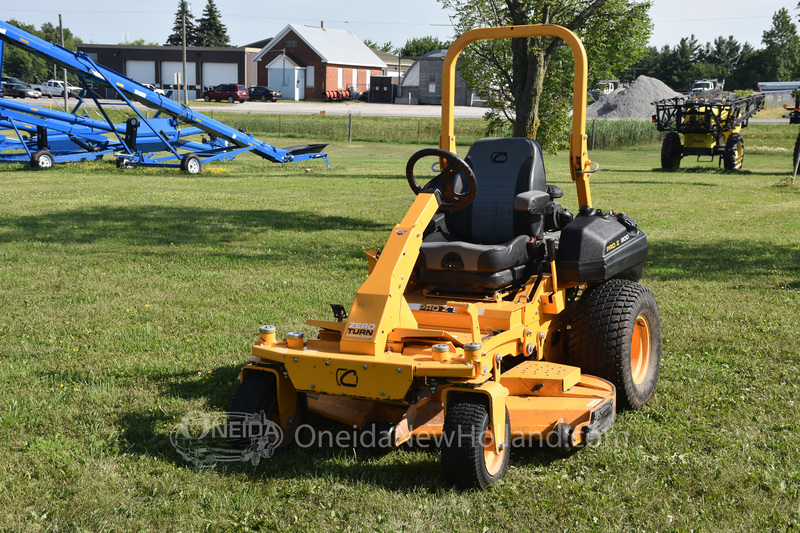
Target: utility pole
(184,7)
(66,91)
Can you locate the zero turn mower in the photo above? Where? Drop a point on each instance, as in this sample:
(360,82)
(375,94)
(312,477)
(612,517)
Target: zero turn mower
(710,126)
(492,317)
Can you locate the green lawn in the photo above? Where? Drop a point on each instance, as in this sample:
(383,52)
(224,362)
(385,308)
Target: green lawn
(131,298)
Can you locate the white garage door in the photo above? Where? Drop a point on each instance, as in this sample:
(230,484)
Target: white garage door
(168,71)
(141,71)
(216,73)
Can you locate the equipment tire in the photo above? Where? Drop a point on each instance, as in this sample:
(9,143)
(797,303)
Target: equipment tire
(796,152)
(42,159)
(616,335)
(191,163)
(733,156)
(256,393)
(468,457)
(671,151)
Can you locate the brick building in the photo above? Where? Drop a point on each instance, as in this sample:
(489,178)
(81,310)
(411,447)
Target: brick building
(304,62)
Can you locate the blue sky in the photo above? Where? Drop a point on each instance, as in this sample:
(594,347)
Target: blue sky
(394,21)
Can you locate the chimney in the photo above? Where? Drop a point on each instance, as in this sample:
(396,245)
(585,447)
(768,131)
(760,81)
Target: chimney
(322,24)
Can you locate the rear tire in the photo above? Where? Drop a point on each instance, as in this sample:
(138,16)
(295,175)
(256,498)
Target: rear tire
(468,457)
(191,163)
(230,99)
(616,335)
(207,98)
(733,156)
(42,159)
(671,151)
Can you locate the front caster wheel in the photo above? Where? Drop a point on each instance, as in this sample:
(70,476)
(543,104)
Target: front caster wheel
(469,460)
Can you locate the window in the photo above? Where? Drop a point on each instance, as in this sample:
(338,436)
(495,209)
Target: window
(339,73)
(309,76)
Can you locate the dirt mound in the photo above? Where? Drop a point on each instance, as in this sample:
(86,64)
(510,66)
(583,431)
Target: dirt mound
(634,101)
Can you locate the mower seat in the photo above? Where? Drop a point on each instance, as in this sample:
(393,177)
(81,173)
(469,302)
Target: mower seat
(496,240)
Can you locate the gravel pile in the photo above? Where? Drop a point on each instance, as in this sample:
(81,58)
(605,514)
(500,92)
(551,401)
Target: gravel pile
(634,101)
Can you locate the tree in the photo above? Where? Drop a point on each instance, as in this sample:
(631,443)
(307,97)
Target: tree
(782,45)
(210,29)
(530,80)
(28,67)
(419,46)
(176,37)
(385,47)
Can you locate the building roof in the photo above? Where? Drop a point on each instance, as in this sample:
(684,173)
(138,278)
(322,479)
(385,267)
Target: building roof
(339,47)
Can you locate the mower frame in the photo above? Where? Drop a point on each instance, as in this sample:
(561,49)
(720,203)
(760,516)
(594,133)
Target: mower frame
(426,363)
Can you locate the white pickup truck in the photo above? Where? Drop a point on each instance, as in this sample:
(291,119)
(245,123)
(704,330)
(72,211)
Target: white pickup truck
(56,88)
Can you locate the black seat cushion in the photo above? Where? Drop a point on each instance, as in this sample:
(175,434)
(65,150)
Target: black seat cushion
(440,252)
(489,245)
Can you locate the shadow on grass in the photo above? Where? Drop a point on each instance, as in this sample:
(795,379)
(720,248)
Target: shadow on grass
(722,260)
(161,225)
(414,466)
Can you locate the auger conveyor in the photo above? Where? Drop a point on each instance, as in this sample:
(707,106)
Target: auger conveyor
(225,143)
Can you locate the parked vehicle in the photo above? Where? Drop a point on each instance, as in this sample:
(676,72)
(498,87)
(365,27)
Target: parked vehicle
(56,88)
(227,91)
(259,92)
(155,89)
(21,90)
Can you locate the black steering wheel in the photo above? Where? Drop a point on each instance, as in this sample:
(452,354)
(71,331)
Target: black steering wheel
(443,182)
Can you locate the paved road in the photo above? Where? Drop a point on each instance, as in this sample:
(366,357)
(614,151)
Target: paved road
(303,108)
(332,108)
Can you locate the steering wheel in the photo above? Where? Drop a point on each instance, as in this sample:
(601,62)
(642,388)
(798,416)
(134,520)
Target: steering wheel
(449,198)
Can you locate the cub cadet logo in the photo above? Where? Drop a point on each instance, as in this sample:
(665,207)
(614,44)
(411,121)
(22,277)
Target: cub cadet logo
(617,243)
(346,377)
(437,308)
(360,329)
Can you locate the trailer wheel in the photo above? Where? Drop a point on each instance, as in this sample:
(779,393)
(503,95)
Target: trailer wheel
(671,151)
(796,152)
(733,156)
(191,164)
(616,335)
(42,159)
(468,456)
(246,426)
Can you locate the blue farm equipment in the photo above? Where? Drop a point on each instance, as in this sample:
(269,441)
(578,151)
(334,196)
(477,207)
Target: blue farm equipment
(142,141)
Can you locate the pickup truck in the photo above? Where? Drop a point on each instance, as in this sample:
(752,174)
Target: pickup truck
(56,88)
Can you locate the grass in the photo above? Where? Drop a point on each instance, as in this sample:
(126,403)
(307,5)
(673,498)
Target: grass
(132,298)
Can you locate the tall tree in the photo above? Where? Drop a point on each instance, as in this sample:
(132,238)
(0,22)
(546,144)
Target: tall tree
(385,47)
(529,80)
(176,37)
(419,46)
(210,29)
(783,46)
(28,67)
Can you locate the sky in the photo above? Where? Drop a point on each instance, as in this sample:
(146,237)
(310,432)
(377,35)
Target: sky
(110,22)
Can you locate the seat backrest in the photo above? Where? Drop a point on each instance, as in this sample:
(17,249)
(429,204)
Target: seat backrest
(503,168)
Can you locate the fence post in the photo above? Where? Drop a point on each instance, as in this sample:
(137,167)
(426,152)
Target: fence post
(593,121)
(279,125)
(350,128)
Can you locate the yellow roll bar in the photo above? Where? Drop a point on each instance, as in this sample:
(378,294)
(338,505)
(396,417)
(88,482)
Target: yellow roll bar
(580,165)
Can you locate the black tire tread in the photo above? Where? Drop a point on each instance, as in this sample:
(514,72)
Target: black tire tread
(669,146)
(729,155)
(463,465)
(600,335)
